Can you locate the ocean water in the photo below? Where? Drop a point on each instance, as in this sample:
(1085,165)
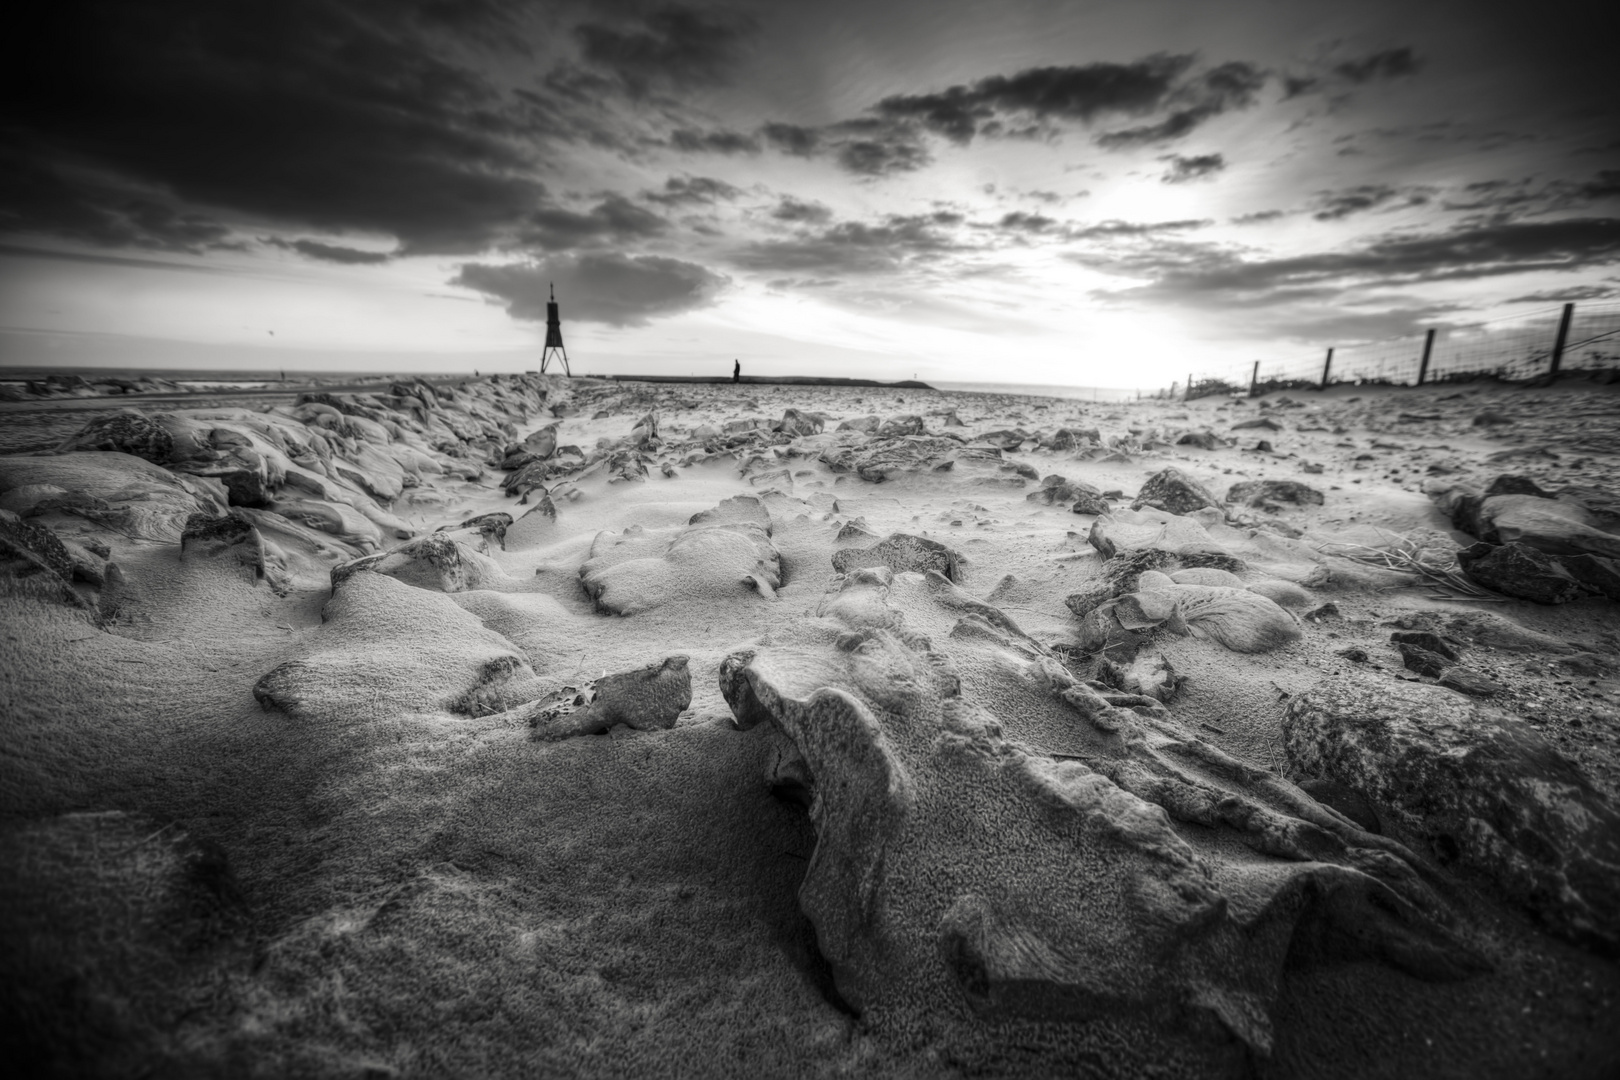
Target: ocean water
(1072,393)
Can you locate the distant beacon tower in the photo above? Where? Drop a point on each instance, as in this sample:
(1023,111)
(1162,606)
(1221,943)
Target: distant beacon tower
(554,345)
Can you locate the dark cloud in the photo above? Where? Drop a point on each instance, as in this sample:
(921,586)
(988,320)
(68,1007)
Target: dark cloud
(1570,295)
(1338,205)
(879,157)
(1083,93)
(672,47)
(797,210)
(792,139)
(1214,274)
(340,114)
(335,253)
(1107,230)
(857,248)
(1259,216)
(1357,71)
(1388,64)
(693,190)
(713,142)
(1222,89)
(613,221)
(37,198)
(1184,169)
(620,290)
(1021,221)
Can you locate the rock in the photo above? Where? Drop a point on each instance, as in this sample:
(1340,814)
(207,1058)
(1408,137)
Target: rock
(1237,619)
(641,569)
(647,699)
(902,552)
(1421,660)
(1282,593)
(645,434)
(1204,440)
(1004,440)
(1346,800)
(737,510)
(1094,911)
(1066,438)
(1521,571)
(1265,423)
(1429,642)
(127,431)
(1207,575)
(1327,611)
(1600,575)
(1491,419)
(542,443)
(1470,682)
(1057,489)
(33,562)
(855,529)
(1090,504)
(1479,784)
(437,561)
(869,424)
(491,527)
(1516,484)
(897,426)
(796,423)
(1174,491)
(1550,525)
(1354,655)
(1259,492)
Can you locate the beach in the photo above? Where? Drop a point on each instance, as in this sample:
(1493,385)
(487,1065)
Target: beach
(527,725)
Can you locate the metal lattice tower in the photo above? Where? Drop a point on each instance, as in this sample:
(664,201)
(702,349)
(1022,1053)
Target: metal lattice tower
(554,343)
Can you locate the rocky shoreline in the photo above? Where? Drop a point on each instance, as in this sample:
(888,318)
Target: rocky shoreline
(591,727)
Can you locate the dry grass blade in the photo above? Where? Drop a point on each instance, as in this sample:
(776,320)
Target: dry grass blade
(1405,556)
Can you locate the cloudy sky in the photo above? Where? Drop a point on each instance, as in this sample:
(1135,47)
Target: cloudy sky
(1082,193)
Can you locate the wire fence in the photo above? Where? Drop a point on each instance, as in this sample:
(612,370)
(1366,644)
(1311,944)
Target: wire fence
(1570,339)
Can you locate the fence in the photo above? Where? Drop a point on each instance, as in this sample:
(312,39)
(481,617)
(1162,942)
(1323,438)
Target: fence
(1516,348)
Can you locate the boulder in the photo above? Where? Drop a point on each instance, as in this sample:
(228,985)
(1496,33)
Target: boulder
(1174,491)
(796,423)
(651,698)
(1057,489)
(897,426)
(1479,784)
(1521,571)
(437,562)
(869,424)
(902,552)
(1204,440)
(1260,492)
(1065,438)
(962,870)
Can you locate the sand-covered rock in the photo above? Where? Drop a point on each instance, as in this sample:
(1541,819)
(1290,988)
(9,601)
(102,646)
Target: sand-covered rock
(1109,912)
(902,552)
(1478,784)
(651,698)
(1522,571)
(1174,491)
(440,562)
(641,569)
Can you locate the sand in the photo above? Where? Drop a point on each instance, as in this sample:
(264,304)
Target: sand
(919,811)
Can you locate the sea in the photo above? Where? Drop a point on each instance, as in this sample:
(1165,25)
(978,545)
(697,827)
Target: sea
(1070,393)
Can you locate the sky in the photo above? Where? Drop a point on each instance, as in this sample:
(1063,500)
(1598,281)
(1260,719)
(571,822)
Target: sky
(1029,191)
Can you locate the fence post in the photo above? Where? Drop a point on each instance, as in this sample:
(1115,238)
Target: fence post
(1327,366)
(1188,396)
(1254,380)
(1562,339)
(1428,348)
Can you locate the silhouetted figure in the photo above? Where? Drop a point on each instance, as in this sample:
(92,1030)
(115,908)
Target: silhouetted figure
(736,371)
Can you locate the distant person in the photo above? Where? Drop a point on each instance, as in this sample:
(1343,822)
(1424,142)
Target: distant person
(736,371)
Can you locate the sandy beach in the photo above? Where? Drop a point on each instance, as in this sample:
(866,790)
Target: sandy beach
(533,726)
